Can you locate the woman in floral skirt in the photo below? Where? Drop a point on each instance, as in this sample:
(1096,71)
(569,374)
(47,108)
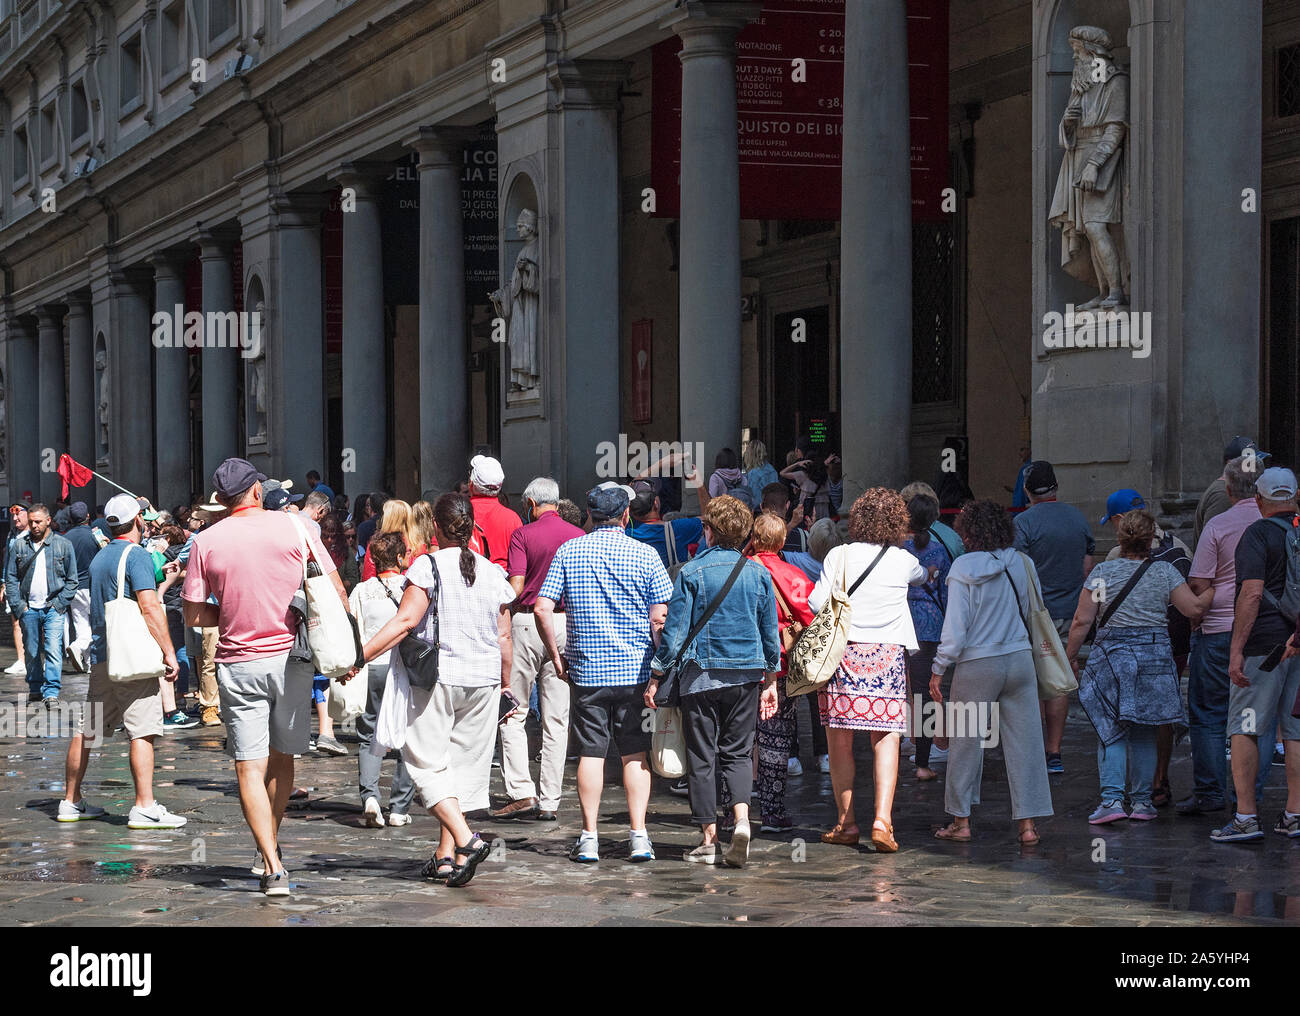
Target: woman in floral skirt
(869,690)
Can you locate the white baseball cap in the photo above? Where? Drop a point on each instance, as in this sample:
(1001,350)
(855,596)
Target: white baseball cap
(1277,483)
(121,509)
(485,472)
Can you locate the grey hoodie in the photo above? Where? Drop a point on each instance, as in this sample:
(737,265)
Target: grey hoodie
(983,618)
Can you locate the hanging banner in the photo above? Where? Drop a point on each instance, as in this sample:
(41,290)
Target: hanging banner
(789,99)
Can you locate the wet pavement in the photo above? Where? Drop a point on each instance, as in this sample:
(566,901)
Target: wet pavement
(1164,872)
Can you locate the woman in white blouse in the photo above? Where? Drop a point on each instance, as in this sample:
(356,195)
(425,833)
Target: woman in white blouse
(446,735)
(869,690)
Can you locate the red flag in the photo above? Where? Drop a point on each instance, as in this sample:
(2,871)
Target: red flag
(73,473)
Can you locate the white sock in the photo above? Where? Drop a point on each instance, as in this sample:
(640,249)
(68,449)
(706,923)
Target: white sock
(1290,815)
(638,832)
(589,832)
(1243,818)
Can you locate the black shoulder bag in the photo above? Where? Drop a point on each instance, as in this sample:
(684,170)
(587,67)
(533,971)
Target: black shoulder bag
(668,692)
(419,657)
(1099,623)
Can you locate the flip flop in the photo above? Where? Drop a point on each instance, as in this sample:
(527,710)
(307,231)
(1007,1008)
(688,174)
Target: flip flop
(1031,840)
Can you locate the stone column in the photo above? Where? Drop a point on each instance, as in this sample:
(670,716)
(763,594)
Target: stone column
(171,385)
(709,351)
(444,366)
(21,408)
(365,391)
(51,402)
(876,249)
(296,355)
(81,382)
(589,262)
(131,431)
(219,368)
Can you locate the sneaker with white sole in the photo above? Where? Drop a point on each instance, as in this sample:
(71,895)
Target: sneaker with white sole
(374,817)
(398,818)
(1109,811)
(1289,827)
(641,847)
(1143,813)
(17,667)
(705,853)
(794,767)
(680,787)
(179,720)
(824,764)
(1238,831)
(258,867)
(587,849)
(78,658)
(275,883)
(154,817)
(69,812)
(738,853)
(329,746)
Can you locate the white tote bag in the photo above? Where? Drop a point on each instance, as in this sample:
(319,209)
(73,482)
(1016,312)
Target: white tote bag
(1055,675)
(133,654)
(668,743)
(330,631)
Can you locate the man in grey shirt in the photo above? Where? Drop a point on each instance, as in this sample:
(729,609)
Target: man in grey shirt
(1059,541)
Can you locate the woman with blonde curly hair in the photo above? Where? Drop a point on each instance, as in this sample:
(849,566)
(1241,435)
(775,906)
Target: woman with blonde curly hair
(397,517)
(869,690)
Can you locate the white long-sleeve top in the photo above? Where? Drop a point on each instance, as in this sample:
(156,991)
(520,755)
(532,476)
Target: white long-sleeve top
(880,612)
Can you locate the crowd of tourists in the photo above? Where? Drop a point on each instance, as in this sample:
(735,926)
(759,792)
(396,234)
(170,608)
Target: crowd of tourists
(463,615)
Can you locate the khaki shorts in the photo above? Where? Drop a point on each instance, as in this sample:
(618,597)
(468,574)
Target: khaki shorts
(1258,710)
(135,705)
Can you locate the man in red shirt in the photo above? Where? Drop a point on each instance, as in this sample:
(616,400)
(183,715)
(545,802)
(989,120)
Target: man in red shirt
(494,521)
(252,564)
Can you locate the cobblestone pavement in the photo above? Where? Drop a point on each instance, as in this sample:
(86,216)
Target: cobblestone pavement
(100,873)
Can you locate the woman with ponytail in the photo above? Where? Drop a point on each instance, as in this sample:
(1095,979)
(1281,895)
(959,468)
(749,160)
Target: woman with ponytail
(446,734)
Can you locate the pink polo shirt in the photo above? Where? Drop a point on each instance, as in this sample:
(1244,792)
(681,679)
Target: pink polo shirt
(1215,560)
(252,562)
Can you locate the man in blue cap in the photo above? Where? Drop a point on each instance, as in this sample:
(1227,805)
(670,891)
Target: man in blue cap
(615,591)
(1164,547)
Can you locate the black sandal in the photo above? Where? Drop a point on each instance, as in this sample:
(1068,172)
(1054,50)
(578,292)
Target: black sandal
(1162,795)
(474,851)
(438,868)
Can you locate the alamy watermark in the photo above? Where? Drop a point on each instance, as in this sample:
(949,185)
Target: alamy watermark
(213,329)
(1098,329)
(632,458)
(54,719)
(932,719)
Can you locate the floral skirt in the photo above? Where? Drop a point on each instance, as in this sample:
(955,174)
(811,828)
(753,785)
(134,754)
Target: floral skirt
(868,691)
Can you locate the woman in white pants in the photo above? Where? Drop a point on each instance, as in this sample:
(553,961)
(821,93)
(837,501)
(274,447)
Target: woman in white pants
(446,734)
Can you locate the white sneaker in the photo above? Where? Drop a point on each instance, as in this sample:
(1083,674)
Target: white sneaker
(398,818)
(69,812)
(794,767)
(738,853)
(937,755)
(17,667)
(824,764)
(154,817)
(374,818)
(78,658)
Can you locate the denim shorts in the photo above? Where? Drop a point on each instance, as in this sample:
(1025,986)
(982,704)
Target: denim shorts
(320,689)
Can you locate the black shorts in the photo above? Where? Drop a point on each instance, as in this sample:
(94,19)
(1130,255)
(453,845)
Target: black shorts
(596,714)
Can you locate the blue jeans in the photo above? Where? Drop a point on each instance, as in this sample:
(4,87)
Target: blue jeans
(176,629)
(1207,712)
(43,641)
(1135,754)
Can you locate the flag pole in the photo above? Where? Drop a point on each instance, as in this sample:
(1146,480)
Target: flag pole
(107,480)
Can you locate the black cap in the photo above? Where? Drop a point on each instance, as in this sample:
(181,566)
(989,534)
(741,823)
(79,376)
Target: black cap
(234,476)
(1041,478)
(1236,448)
(606,503)
(645,497)
(78,512)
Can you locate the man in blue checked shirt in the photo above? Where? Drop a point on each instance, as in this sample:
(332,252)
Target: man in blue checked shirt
(616,593)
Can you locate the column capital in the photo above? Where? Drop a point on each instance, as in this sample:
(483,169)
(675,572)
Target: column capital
(78,304)
(167,264)
(363,177)
(297,208)
(49,315)
(214,241)
(588,84)
(441,146)
(710,26)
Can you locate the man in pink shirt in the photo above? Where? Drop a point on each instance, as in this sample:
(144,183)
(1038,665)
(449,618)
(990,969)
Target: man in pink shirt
(1207,672)
(252,563)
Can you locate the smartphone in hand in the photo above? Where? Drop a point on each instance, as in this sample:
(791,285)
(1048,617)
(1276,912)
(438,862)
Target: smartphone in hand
(1273,658)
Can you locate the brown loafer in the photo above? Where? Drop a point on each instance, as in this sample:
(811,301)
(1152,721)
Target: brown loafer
(516,809)
(841,838)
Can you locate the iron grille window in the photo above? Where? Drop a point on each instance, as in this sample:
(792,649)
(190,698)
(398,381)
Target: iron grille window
(933,355)
(1288,80)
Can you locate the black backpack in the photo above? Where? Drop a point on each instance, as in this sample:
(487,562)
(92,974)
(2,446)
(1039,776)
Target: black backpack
(1289,606)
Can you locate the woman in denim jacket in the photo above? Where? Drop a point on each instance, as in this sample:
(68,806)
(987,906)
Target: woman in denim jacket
(737,650)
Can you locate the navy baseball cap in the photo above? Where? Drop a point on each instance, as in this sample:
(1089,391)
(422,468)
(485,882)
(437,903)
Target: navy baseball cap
(1122,501)
(1237,448)
(1041,478)
(78,512)
(606,503)
(234,476)
(278,498)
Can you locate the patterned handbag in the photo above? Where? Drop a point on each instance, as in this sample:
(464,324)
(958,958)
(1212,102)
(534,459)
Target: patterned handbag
(815,657)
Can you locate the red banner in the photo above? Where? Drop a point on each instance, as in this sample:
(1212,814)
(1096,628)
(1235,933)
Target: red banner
(790,118)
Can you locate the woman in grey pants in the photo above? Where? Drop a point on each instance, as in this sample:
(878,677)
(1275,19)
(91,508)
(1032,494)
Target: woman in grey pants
(994,686)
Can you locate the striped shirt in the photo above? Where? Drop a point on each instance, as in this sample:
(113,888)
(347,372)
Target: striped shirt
(608,582)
